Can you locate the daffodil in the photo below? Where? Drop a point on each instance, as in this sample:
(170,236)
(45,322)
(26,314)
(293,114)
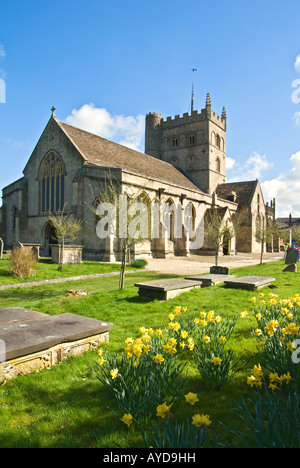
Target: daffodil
(158,359)
(191,398)
(163,410)
(206,339)
(201,420)
(217,361)
(114,373)
(184,334)
(127,419)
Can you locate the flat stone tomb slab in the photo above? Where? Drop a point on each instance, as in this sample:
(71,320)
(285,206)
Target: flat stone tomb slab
(30,336)
(210,280)
(166,289)
(34,341)
(252,283)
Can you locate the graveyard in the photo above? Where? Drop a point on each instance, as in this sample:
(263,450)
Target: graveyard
(68,405)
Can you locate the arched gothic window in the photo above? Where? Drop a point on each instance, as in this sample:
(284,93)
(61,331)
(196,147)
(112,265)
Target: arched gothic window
(175,142)
(192,139)
(218,165)
(52,184)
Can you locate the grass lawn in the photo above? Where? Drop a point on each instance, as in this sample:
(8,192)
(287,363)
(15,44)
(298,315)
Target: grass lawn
(47,270)
(67,406)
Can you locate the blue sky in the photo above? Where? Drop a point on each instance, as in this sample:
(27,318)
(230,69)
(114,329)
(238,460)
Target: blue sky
(105,64)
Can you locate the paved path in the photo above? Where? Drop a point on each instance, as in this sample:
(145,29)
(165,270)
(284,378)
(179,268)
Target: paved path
(201,264)
(64,280)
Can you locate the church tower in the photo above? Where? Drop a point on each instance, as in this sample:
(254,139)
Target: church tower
(194,143)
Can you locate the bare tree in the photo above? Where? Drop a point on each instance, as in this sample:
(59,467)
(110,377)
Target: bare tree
(66,229)
(265,232)
(220,231)
(130,220)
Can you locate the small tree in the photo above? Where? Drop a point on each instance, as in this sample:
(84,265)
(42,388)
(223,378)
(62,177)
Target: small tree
(131,224)
(66,229)
(265,234)
(219,231)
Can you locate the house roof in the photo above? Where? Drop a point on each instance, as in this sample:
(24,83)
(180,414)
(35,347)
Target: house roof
(244,191)
(98,151)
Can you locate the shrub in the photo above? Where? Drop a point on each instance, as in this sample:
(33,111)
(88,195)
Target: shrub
(139,263)
(23,263)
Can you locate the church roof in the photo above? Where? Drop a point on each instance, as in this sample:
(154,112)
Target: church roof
(244,191)
(98,151)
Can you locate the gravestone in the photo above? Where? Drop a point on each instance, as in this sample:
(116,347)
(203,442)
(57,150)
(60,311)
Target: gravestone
(34,340)
(292,267)
(219,270)
(251,283)
(166,289)
(292,256)
(210,280)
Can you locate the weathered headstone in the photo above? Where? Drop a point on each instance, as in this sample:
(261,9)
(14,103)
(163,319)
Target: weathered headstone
(292,256)
(166,289)
(210,280)
(292,267)
(219,270)
(34,340)
(252,283)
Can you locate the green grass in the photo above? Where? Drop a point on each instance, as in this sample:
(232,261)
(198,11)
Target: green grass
(67,406)
(47,270)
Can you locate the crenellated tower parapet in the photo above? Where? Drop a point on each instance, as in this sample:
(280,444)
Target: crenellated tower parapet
(194,142)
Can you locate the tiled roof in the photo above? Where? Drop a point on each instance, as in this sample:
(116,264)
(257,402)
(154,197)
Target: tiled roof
(98,151)
(244,191)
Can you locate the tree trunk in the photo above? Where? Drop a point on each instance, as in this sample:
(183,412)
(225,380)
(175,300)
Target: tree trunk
(1,248)
(262,249)
(123,268)
(62,254)
(217,257)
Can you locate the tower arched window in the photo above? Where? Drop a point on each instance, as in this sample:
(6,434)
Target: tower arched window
(218,141)
(218,165)
(52,184)
(175,142)
(192,139)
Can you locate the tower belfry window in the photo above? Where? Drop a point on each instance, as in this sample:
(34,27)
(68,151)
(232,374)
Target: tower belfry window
(192,139)
(52,184)
(175,142)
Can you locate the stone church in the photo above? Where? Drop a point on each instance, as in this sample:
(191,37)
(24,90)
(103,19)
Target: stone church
(184,165)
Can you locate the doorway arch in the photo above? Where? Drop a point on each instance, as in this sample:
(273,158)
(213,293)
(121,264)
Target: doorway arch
(49,238)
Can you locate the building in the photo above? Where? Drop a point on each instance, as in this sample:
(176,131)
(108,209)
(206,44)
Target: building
(184,166)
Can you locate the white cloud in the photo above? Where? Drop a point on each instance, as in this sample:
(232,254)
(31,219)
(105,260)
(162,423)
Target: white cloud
(297,64)
(285,189)
(252,169)
(230,163)
(2,51)
(125,130)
